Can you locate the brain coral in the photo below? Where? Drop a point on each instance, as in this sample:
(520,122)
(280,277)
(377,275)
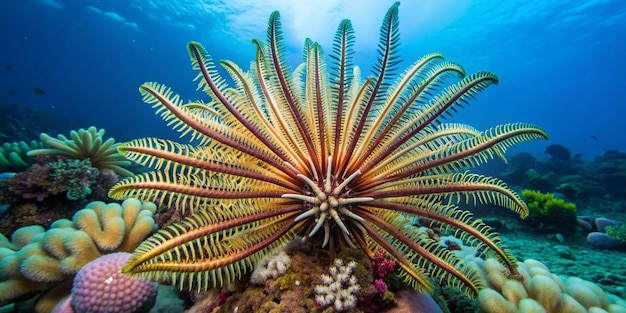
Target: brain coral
(38,262)
(99,287)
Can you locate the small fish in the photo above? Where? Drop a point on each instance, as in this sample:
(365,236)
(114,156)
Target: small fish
(39,91)
(594,137)
(12,92)
(6,175)
(8,68)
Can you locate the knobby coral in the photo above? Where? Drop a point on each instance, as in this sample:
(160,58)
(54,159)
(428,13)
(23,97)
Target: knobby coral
(86,144)
(324,154)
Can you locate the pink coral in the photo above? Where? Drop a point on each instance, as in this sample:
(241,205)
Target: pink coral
(99,287)
(382,265)
(380,285)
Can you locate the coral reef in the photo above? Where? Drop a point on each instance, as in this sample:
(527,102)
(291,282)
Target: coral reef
(295,290)
(99,287)
(73,178)
(86,144)
(559,152)
(514,171)
(52,188)
(610,170)
(42,263)
(548,212)
(538,181)
(579,187)
(584,182)
(23,123)
(13,155)
(541,291)
(340,288)
(78,176)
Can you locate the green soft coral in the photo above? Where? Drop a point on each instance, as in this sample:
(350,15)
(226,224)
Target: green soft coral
(13,155)
(617,232)
(545,210)
(86,144)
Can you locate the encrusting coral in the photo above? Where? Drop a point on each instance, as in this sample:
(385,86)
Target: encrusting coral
(541,291)
(86,144)
(271,266)
(42,262)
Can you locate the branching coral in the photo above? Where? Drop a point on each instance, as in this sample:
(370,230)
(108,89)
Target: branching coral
(340,288)
(86,144)
(78,176)
(35,260)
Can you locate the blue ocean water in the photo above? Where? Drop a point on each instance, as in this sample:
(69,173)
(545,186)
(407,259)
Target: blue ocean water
(561,63)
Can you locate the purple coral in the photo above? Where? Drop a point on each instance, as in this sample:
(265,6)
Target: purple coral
(31,184)
(99,287)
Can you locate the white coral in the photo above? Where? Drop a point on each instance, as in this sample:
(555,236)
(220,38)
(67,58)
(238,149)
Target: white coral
(339,288)
(271,266)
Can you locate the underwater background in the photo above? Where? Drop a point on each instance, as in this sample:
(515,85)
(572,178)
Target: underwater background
(67,65)
(561,63)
